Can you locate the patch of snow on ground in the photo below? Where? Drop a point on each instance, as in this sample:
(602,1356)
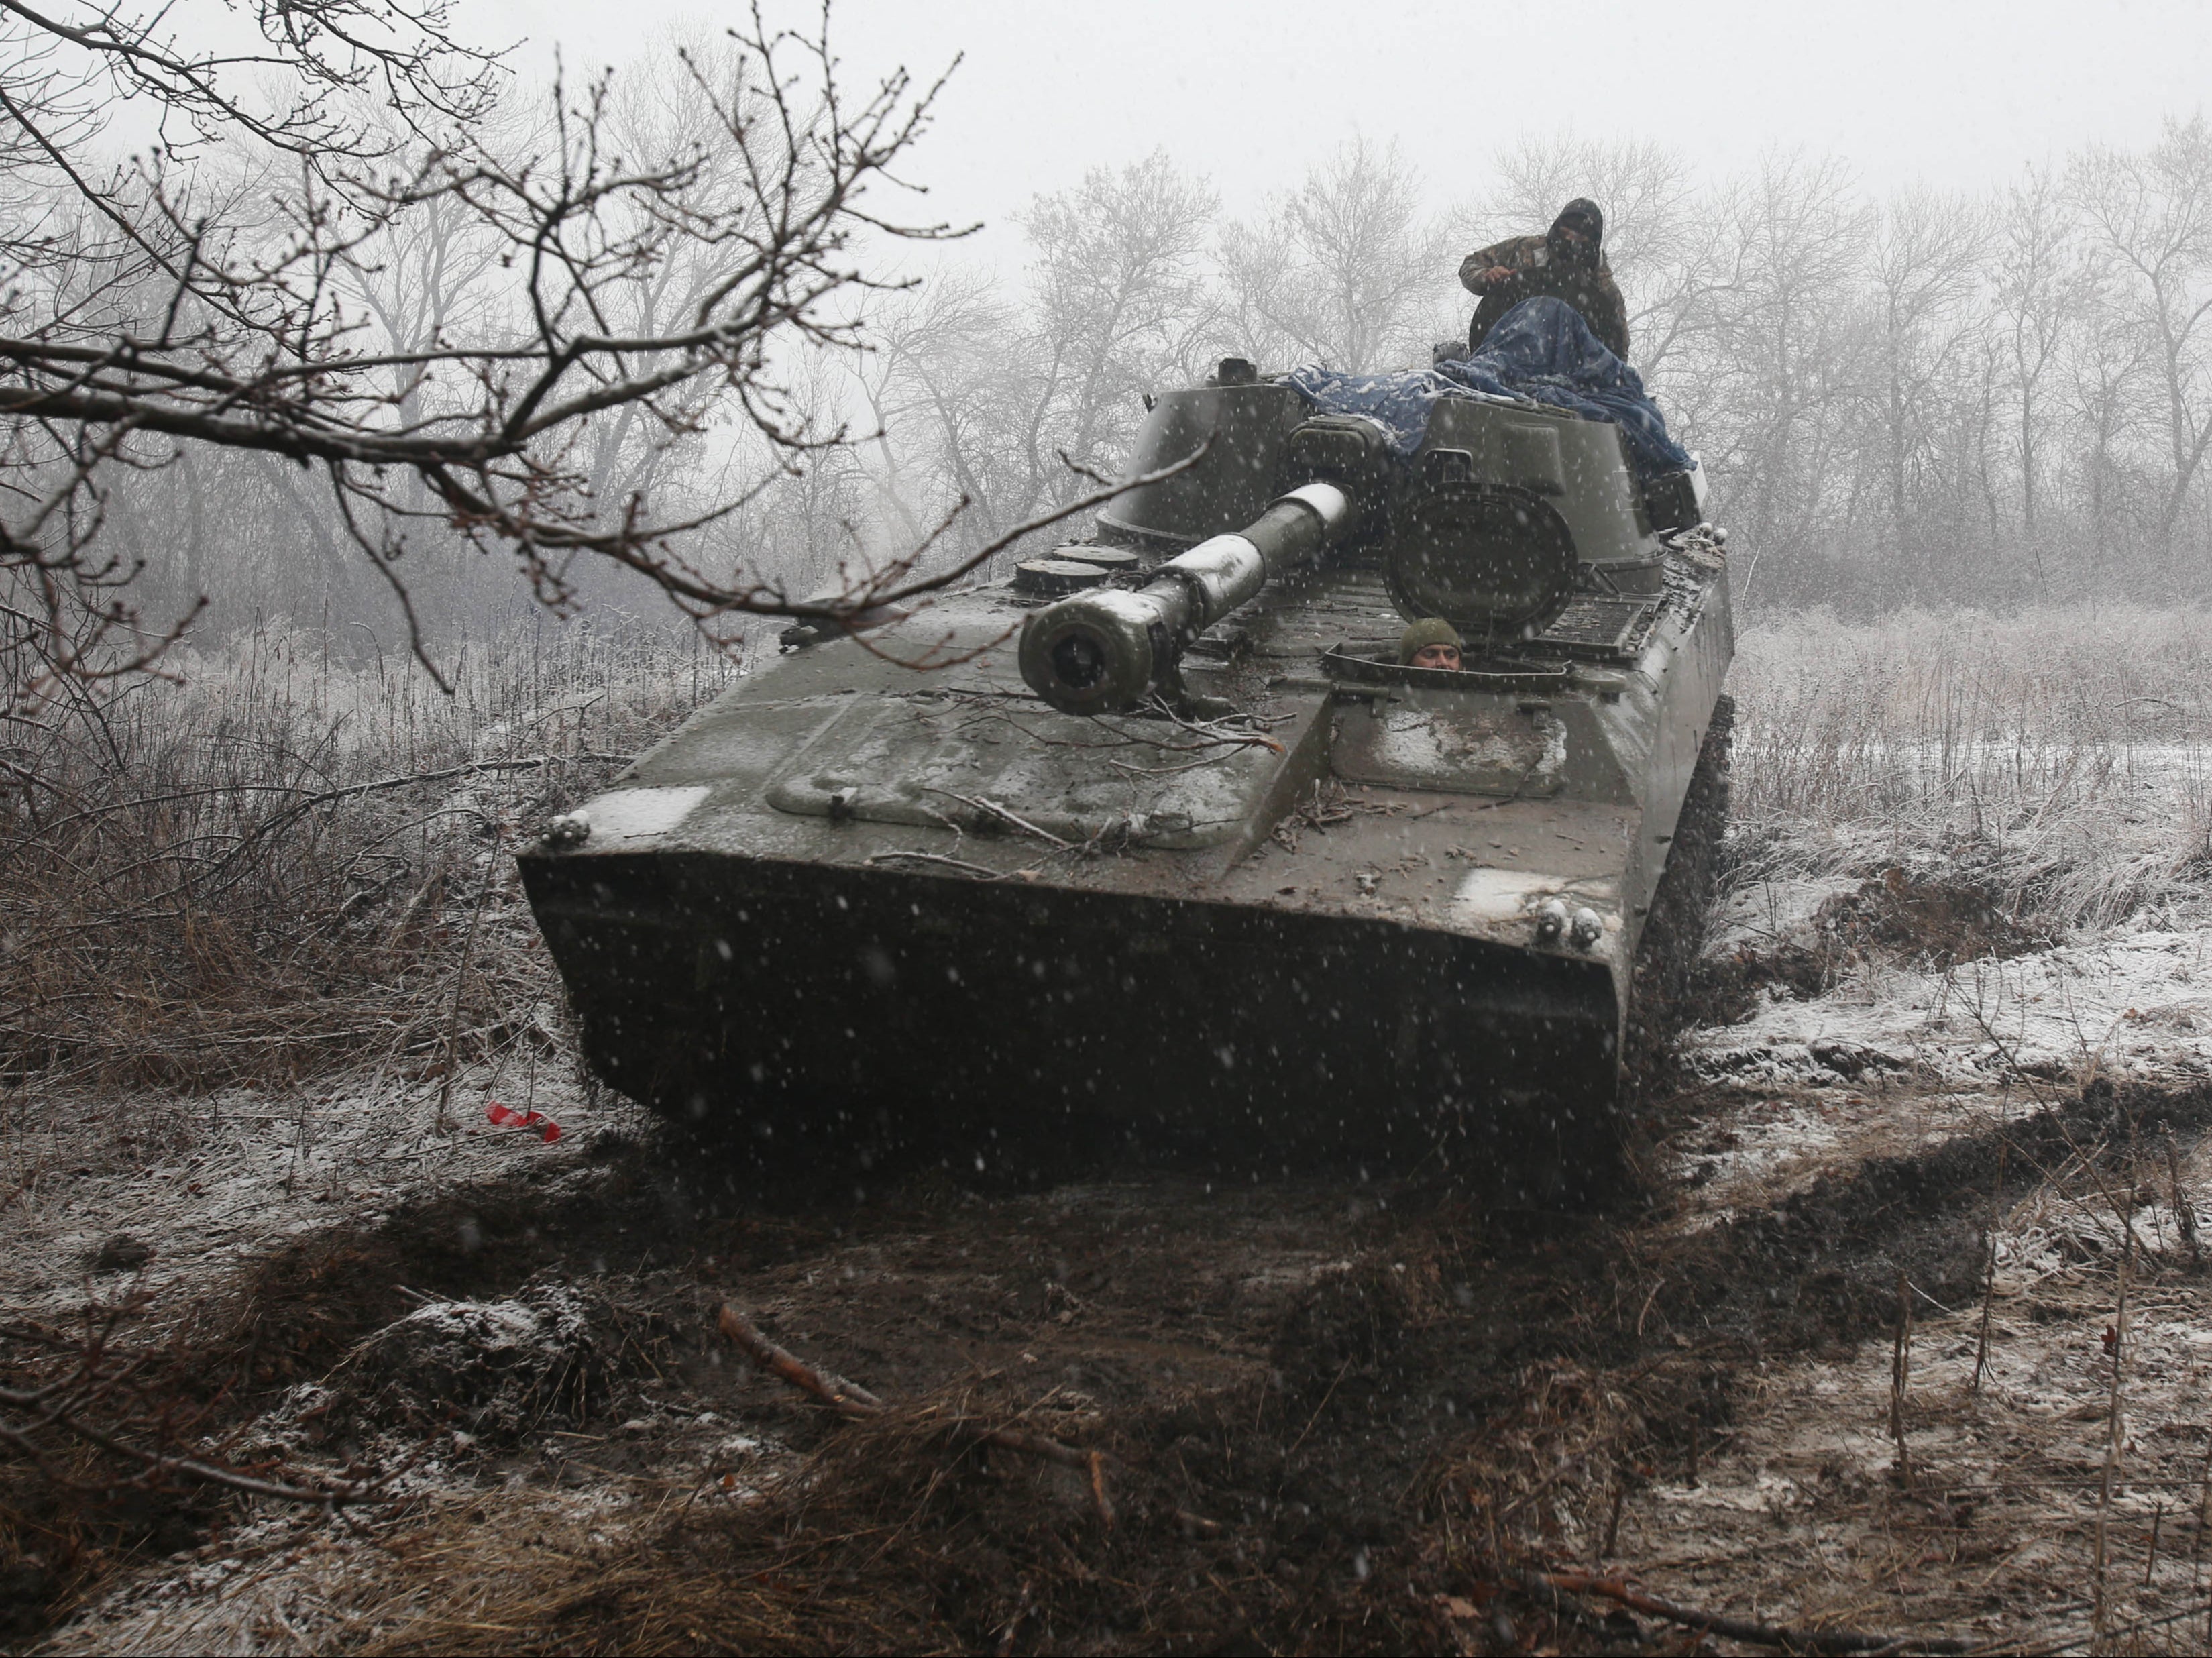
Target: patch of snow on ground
(1894,1058)
(1767,914)
(209,1183)
(2133,1002)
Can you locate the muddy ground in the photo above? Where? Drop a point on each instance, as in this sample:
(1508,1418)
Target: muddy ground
(1854,1358)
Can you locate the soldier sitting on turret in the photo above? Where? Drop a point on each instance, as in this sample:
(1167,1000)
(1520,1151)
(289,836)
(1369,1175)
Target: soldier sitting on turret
(1565,261)
(1432,642)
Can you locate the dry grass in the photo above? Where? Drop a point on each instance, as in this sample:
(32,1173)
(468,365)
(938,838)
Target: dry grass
(2056,759)
(1716,1455)
(277,864)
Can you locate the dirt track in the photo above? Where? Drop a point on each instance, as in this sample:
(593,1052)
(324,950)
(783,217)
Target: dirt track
(1333,1415)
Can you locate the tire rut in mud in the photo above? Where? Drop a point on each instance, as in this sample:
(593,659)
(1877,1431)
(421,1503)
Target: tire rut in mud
(1821,1264)
(1316,1394)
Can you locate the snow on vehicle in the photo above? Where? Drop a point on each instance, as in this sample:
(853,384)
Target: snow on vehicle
(1176,848)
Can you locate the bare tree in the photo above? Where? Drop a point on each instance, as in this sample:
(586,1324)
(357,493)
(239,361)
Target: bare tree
(2153,214)
(961,400)
(1780,361)
(1923,260)
(1345,270)
(2108,364)
(2037,290)
(1121,296)
(811,524)
(1012,400)
(650,294)
(310,342)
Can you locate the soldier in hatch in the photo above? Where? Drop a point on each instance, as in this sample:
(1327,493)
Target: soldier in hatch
(1565,261)
(1432,642)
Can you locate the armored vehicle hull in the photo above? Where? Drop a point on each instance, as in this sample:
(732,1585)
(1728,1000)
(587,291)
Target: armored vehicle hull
(1295,901)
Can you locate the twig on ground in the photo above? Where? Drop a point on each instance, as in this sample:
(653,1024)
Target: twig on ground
(1319,1408)
(1989,1268)
(2115,1421)
(849,1399)
(1834,1641)
(99,1386)
(846,1397)
(2053,1649)
(461,980)
(1036,1445)
(2184,1207)
(1607,1544)
(1098,1498)
(1013,1625)
(1900,1378)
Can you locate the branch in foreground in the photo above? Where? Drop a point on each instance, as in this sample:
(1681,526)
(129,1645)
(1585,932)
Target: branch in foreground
(879,599)
(1831,1641)
(626,299)
(849,1399)
(831,1390)
(97,1380)
(975,560)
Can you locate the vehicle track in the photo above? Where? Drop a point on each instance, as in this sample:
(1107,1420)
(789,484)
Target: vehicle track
(1315,1393)
(1338,1412)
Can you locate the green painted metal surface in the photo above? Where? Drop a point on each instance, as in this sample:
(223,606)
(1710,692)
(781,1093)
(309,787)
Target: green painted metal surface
(1313,902)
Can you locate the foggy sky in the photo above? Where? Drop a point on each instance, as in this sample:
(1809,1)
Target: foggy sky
(1937,92)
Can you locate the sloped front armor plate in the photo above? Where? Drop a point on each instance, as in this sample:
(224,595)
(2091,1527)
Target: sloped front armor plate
(980,763)
(1418,743)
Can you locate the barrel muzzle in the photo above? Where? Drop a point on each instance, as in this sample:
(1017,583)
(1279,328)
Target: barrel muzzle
(1095,652)
(1090,653)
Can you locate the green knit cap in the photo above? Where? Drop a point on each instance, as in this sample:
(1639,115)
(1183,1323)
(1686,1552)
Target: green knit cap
(1429,630)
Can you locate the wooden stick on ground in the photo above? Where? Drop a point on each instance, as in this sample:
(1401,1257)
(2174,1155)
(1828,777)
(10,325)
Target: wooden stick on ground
(835,1391)
(2184,1207)
(2115,1433)
(850,1399)
(1900,1378)
(1990,1269)
(1013,1439)
(1830,1641)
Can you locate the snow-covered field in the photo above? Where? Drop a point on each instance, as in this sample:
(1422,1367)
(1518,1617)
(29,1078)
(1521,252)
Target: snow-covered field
(1967,911)
(1897,1055)
(204,1186)
(1971,876)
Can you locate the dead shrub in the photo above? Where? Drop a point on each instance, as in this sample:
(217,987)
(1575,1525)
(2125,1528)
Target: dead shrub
(276,863)
(903,1532)
(2048,762)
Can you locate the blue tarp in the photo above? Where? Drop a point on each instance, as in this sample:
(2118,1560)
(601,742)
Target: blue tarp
(1541,349)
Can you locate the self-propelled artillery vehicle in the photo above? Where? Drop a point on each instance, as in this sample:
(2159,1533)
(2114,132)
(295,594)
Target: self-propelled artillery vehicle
(1175,847)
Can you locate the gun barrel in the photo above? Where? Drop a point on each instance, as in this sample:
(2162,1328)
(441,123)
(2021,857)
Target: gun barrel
(1097,651)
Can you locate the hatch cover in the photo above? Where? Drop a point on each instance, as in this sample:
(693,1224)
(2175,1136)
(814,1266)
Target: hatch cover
(1010,765)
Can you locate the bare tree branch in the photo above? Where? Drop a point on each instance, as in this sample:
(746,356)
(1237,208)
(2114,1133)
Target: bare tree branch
(639,304)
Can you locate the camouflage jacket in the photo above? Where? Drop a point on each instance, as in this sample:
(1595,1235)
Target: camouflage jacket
(1592,292)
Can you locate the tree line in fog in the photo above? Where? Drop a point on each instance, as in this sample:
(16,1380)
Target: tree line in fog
(1916,397)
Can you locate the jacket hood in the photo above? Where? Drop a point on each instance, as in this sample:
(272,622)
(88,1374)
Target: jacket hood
(1583,216)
